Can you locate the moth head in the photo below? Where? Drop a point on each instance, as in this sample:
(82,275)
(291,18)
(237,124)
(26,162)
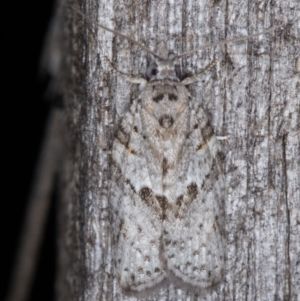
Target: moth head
(164,66)
(163,69)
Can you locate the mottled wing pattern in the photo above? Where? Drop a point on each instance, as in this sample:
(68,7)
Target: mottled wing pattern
(193,233)
(168,192)
(137,227)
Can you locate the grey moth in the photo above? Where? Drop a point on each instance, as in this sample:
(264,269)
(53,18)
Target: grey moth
(167,190)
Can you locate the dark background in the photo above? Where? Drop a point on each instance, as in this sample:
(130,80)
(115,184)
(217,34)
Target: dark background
(24,112)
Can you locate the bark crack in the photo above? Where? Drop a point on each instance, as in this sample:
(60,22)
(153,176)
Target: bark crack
(287,284)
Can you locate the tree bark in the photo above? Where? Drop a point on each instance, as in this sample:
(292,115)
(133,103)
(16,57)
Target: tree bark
(253,96)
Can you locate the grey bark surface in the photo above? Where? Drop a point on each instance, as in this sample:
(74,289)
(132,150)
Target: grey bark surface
(252,95)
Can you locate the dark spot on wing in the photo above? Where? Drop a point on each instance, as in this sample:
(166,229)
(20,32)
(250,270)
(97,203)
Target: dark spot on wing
(146,194)
(215,227)
(158,98)
(192,190)
(179,200)
(165,167)
(132,277)
(166,121)
(140,270)
(173,97)
(207,180)
(200,146)
(122,229)
(156,203)
(127,181)
(131,151)
(163,202)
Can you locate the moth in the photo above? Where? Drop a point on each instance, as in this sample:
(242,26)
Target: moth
(167,193)
(167,189)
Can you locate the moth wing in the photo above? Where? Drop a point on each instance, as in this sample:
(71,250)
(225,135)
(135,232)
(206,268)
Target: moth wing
(137,227)
(194,229)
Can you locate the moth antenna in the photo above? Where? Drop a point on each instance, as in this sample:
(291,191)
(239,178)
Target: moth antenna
(87,19)
(225,42)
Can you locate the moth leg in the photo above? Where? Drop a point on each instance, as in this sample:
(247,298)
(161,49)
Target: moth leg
(128,77)
(196,77)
